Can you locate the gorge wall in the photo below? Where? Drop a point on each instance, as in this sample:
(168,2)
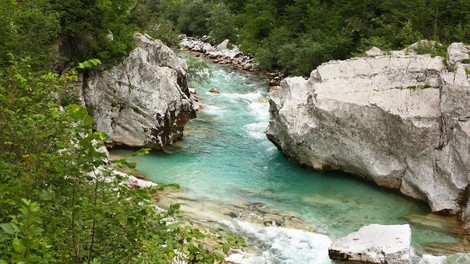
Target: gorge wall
(144,101)
(400,120)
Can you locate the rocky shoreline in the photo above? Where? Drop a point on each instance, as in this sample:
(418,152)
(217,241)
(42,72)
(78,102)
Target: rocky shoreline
(389,87)
(225,53)
(374,247)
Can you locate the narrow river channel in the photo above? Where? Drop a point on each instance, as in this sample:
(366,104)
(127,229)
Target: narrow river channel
(225,158)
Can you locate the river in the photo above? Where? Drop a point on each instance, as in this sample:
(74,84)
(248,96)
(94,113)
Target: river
(225,158)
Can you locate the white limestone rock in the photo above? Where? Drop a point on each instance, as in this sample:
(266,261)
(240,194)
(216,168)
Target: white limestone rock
(374,51)
(222,46)
(374,243)
(222,51)
(220,54)
(457,53)
(401,121)
(144,101)
(236,258)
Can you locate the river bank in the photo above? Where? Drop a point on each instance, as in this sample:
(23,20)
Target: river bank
(225,162)
(226,53)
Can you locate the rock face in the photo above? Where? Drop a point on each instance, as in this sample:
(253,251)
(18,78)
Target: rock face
(143,101)
(401,121)
(389,244)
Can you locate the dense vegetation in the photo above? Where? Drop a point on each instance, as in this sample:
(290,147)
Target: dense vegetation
(67,29)
(290,35)
(297,35)
(60,199)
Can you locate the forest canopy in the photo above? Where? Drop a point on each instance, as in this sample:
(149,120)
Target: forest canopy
(295,36)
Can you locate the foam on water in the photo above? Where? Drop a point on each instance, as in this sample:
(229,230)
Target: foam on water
(254,130)
(260,111)
(283,245)
(460,258)
(247,97)
(213,109)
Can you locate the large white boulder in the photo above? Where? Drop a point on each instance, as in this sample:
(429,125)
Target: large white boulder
(457,53)
(401,121)
(222,51)
(144,101)
(374,243)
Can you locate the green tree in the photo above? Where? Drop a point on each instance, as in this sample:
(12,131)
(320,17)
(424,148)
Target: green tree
(27,29)
(221,24)
(259,18)
(59,200)
(95,29)
(192,19)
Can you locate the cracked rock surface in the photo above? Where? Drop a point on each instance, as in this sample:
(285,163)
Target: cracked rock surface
(144,101)
(401,121)
(374,243)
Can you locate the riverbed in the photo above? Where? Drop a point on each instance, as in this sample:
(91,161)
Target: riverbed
(225,162)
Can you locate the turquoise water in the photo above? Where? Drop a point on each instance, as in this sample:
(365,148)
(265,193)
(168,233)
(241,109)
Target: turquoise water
(226,157)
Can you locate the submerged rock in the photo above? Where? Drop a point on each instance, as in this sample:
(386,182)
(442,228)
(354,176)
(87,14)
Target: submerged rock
(214,91)
(144,101)
(262,100)
(374,243)
(435,222)
(401,121)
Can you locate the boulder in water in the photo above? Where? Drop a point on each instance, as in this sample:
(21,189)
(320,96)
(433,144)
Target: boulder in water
(214,91)
(143,101)
(401,121)
(374,243)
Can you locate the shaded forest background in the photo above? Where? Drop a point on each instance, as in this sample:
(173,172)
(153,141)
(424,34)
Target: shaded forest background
(53,207)
(295,36)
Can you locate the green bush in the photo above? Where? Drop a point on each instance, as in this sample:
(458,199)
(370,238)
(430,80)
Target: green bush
(221,24)
(192,19)
(163,30)
(59,201)
(27,29)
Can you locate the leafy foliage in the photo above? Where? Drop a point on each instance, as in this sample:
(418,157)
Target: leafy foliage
(162,29)
(60,201)
(75,30)
(198,70)
(221,23)
(95,29)
(27,29)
